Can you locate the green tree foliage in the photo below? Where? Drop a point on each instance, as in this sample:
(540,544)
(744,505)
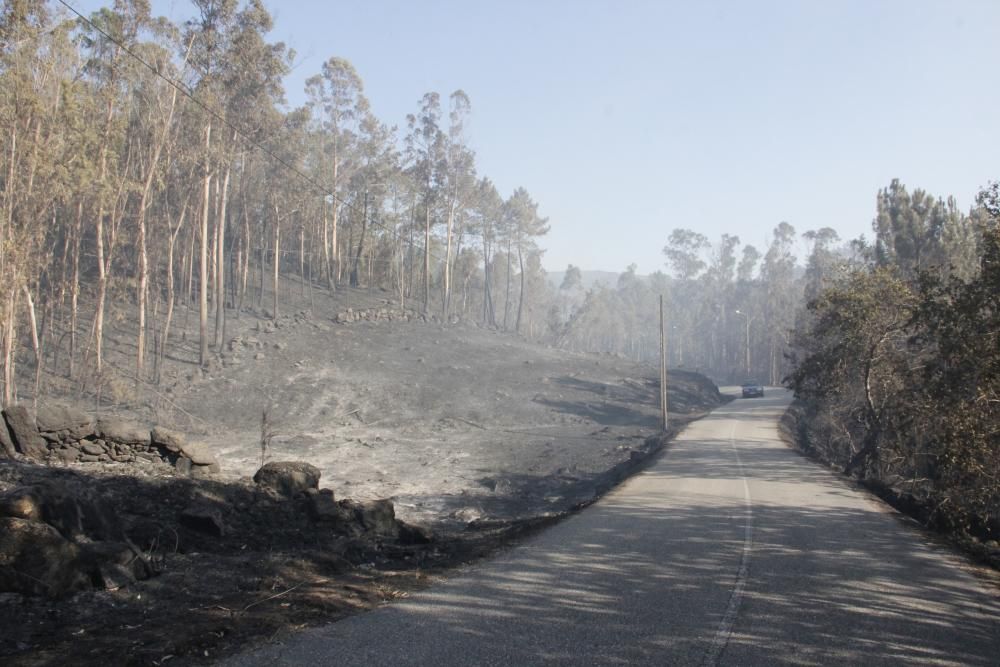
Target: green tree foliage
(898,361)
(958,329)
(684,250)
(916,232)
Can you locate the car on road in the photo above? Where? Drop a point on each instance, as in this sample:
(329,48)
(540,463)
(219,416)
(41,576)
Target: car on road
(753,389)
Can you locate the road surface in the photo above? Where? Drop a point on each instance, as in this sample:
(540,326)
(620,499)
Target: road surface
(731,550)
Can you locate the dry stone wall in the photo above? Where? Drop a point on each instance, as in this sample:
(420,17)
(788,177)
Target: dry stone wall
(386,312)
(67,435)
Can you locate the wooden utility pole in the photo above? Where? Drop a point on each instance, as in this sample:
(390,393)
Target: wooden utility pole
(663,370)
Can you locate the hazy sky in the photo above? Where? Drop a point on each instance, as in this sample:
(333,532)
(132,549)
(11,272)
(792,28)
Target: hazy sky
(625,119)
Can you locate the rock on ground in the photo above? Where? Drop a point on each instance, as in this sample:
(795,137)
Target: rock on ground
(288,478)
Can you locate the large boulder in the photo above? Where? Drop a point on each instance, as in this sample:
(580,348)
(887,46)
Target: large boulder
(190,458)
(74,513)
(172,441)
(36,560)
(24,433)
(288,478)
(75,424)
(199,454)
(410,534)
(120,430)
(7,449)
(376,517)
(322,507)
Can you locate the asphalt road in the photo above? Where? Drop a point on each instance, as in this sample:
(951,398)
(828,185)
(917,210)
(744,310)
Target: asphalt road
(731,550)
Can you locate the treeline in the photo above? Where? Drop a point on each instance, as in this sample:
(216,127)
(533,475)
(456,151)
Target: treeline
(897,358)
(156,165)
(729,308)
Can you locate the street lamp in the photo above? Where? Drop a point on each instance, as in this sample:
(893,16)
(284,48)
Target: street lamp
(748,320)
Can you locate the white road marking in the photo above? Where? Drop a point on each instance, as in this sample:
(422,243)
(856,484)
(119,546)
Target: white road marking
(725,630)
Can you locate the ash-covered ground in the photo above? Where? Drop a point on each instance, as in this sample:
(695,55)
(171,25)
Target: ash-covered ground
(477,435)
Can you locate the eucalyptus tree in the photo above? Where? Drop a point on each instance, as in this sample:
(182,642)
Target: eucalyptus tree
(108,38)
(684,251)
(782,293)
(398,222)
(252,89)
(748,264)
(338,104)
(291,197)
(210,34)
(36,56)
(487,214)
(822,260)
(155,103)
(426,148)
(631,294)
(377,161)
(459,181)
(237,78)
(721,295)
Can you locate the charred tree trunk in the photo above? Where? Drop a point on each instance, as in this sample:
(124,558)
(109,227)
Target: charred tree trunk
(361,243)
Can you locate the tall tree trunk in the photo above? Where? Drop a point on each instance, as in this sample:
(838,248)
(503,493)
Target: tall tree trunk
(520,298)
(143,288)
(220,259)
(489,312)
(277,256)
(143,258)
(172,241)
(35,344)
(203,255)
(102,278)
(336,215)
(187,267)
(465,293)
(327,267)
(369,255)
(8,347)
(409,251)
(143,261)
(8,194)
(312,244)
(361,243)
(213,249)
(427,258)
(446,300)
(302,260)
(247,250)
(506,300)
(75,287)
